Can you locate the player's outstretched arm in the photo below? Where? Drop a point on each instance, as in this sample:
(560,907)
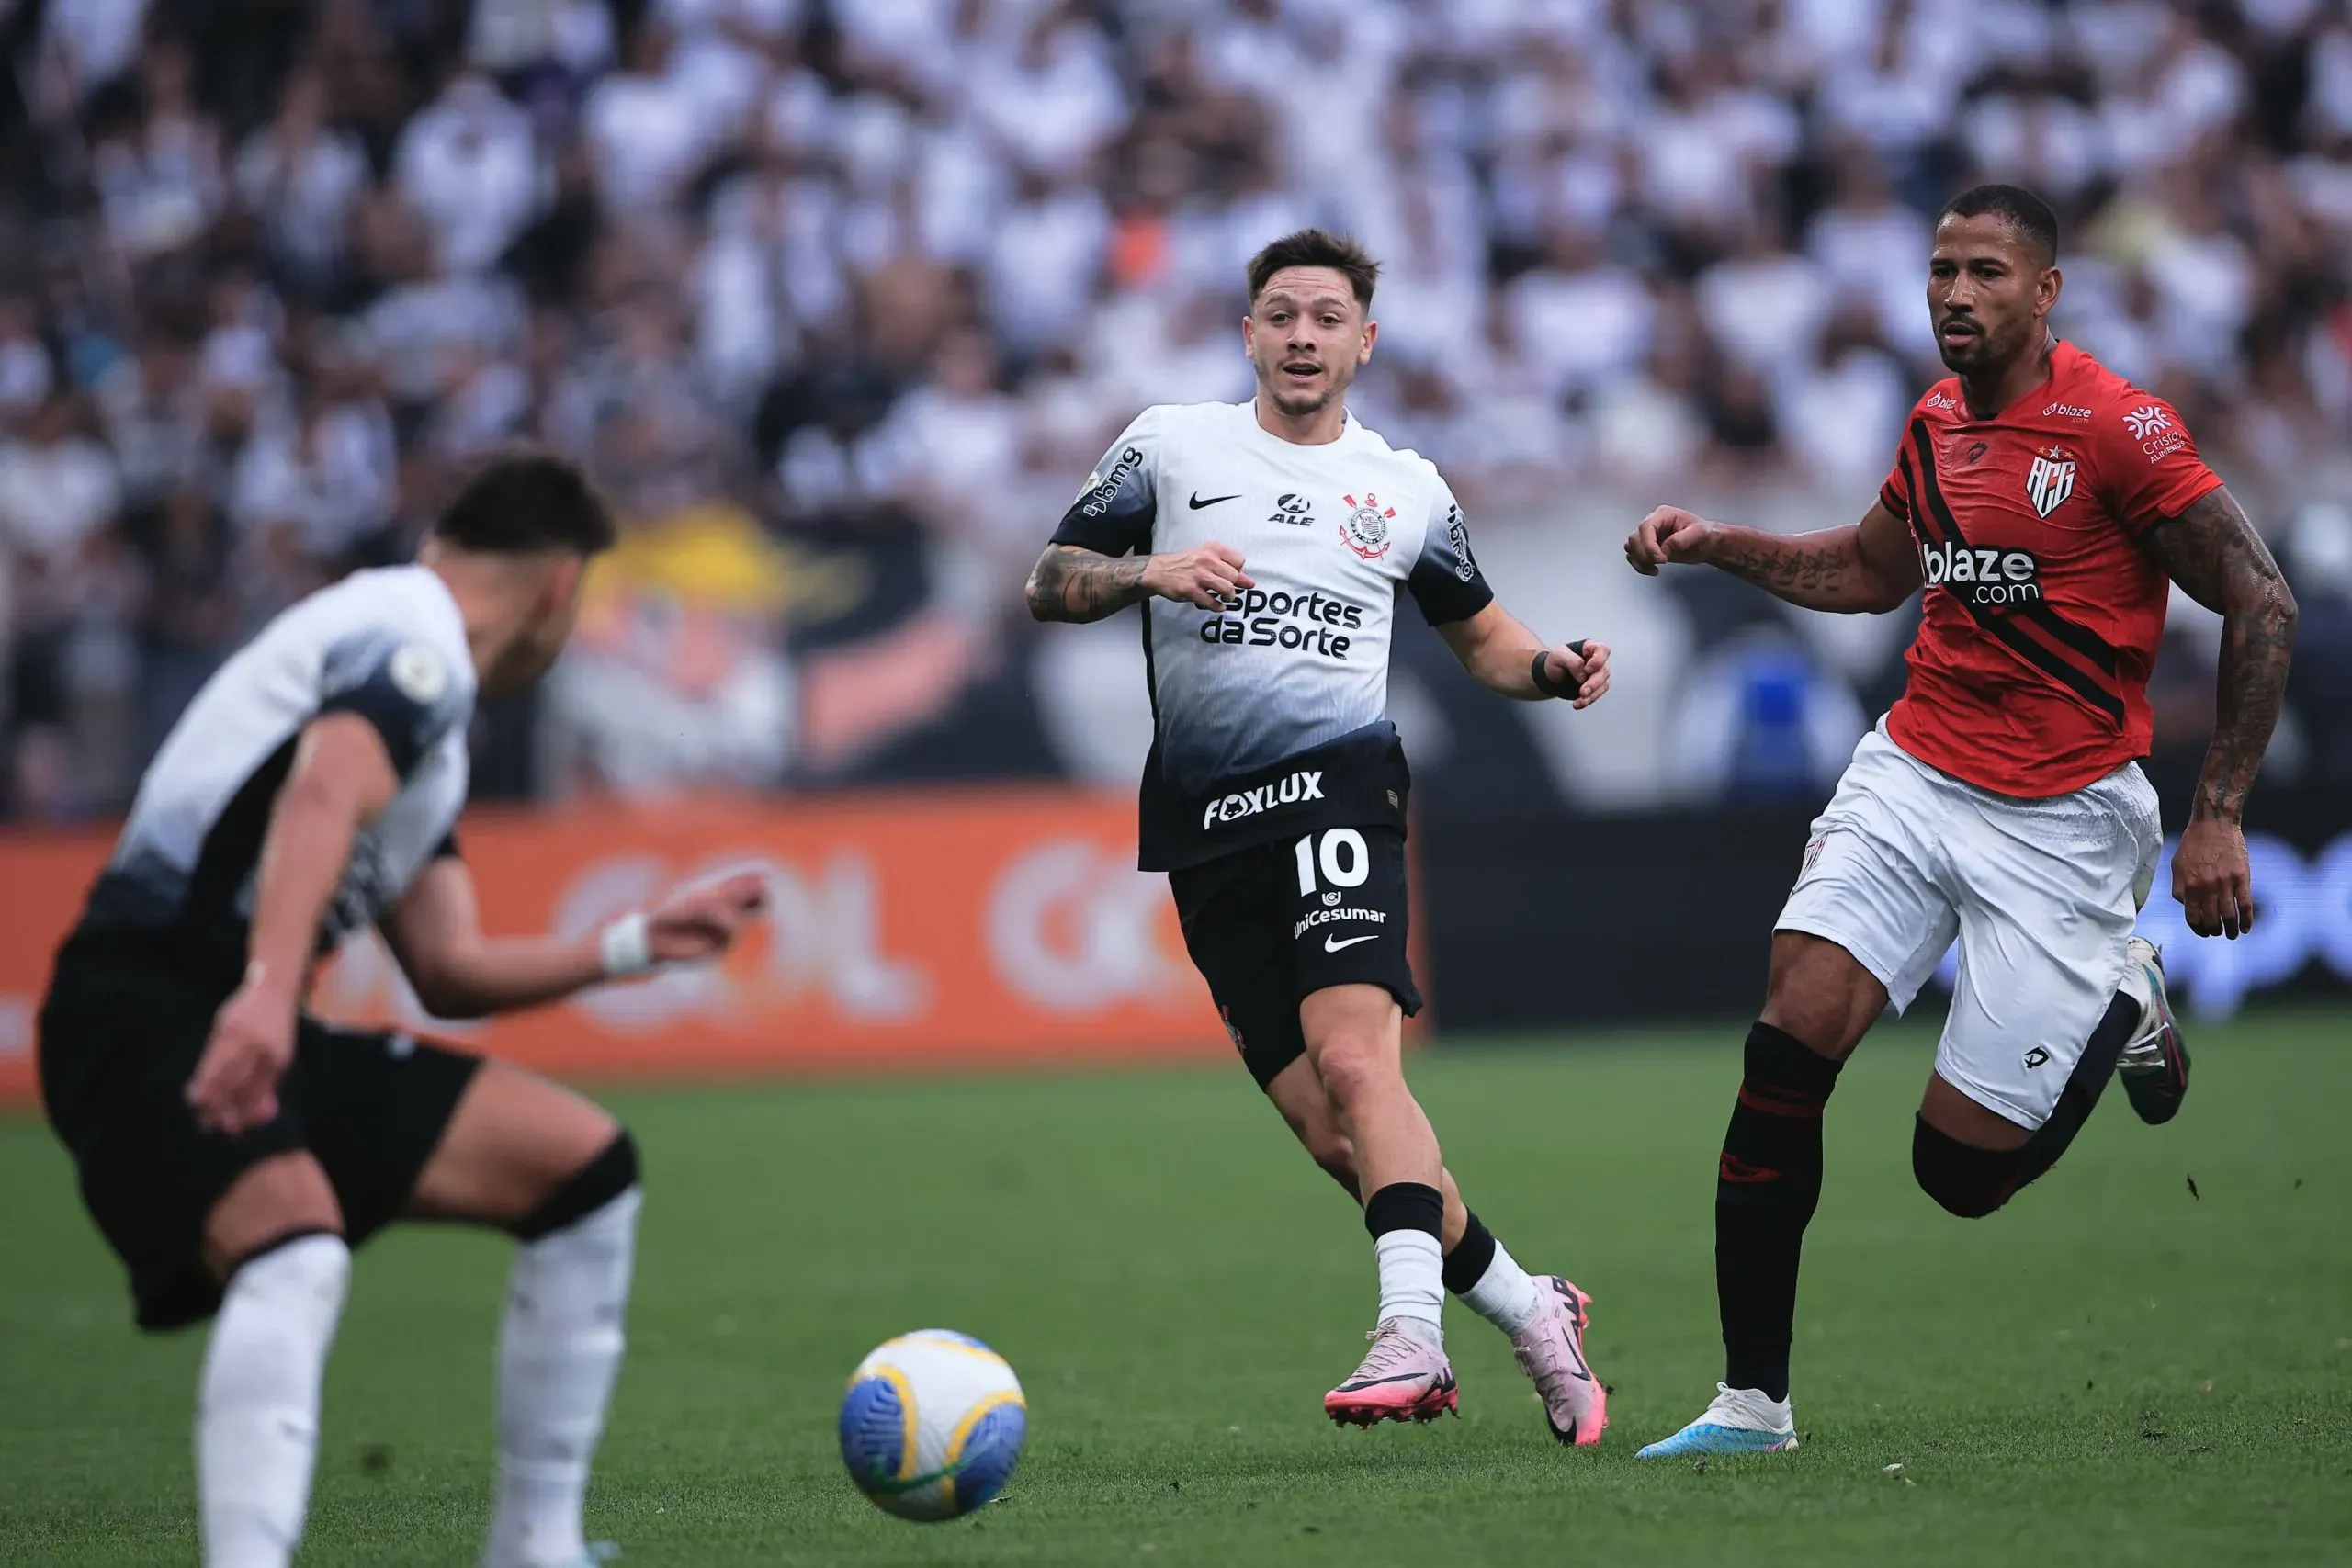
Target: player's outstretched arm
(1870,567)
(340,778)
(1497,649)
(1072,583)
(2213,552)
(457,972)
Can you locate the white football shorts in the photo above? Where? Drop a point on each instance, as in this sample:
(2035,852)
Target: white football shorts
(2042,895)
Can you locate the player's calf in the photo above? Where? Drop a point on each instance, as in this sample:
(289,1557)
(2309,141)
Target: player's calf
(1968,1181)
(1768,1182)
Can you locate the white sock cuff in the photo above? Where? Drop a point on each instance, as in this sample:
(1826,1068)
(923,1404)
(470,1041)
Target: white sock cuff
(310,1269)
(616,1218)
(1412,1276)
(1505,1294)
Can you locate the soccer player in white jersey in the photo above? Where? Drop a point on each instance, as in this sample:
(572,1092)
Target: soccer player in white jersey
(1268,543)
(232,1148)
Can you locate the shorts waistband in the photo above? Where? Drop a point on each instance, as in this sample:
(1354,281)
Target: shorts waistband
(164,952)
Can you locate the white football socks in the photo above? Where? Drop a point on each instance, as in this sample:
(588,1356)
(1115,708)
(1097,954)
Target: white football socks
(1412,1277)
(257,1405)
(558,1351)
(1505,1294)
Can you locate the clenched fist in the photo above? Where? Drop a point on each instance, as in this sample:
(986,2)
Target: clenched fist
(1208,575)
(1668,534)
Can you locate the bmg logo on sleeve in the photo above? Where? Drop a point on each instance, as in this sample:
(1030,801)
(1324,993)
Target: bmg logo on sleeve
(1103,491)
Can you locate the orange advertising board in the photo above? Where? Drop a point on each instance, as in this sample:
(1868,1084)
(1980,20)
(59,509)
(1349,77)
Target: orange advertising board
(958,928)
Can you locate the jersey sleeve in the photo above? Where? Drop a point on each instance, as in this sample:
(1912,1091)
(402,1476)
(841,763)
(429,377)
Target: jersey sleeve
(2148,464)
(1114,513)
(1895,494)
(1446,580)
(402,686)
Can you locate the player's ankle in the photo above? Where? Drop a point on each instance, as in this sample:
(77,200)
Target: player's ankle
(1758,1371)
(1490,1281)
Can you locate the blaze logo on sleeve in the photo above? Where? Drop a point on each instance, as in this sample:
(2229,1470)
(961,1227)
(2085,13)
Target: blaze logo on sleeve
(2051,481)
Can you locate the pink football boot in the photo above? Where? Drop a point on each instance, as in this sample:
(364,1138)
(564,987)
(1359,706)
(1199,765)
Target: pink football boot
(1402,1378)
(1551,1352)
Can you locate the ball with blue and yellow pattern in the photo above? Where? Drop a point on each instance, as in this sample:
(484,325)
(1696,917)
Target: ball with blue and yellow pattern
(933,1425)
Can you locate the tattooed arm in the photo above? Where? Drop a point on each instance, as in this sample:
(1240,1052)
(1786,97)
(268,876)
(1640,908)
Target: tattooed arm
(1071,583)
(1871,567)
(2214,554)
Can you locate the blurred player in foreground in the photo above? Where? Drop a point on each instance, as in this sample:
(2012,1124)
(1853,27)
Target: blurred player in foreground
(234,1149)
(1268,543)
(2044,502)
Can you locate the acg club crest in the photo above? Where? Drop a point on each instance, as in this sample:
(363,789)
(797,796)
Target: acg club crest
(1365,528)
(2051,480)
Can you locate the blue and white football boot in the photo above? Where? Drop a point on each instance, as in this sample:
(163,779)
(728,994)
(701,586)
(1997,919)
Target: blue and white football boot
(2154,1066)
(1740,1421)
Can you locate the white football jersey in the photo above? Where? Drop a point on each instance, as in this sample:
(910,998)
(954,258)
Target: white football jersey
(1331,536)
(389,644)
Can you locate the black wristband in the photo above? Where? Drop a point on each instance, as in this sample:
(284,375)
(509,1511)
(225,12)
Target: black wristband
(1544,684)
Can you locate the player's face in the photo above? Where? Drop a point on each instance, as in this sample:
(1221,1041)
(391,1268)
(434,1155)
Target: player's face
(555,611)
(1988,293)
(1308,337)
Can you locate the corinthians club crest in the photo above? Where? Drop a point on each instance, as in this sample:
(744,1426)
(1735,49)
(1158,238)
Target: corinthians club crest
(2051,480)
(1365,528)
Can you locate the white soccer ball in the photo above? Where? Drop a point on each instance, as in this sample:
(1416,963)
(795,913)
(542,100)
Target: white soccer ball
(931,1425)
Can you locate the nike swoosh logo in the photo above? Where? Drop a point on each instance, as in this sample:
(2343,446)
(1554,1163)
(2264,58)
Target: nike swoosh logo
(1375,1382)
(1333,945)
(1196,502)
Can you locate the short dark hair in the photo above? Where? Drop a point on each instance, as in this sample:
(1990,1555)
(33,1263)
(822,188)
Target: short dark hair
(1315,247)
(2019,208)
(524,502)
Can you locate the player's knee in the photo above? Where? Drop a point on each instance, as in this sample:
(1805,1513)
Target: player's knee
(1968,1181)
(1820,995)
(276,1201)
(611,1172)
(1355,1071)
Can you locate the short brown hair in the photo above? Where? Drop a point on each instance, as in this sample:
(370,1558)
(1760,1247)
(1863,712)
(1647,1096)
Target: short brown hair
(1314,247)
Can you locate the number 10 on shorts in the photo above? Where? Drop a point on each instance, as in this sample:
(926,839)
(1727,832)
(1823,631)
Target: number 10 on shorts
(1346,862)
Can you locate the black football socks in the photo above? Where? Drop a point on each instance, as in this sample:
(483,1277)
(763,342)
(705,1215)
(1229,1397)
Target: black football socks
(1765,1189)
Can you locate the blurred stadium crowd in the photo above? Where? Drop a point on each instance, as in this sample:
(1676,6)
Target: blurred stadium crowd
(841,299)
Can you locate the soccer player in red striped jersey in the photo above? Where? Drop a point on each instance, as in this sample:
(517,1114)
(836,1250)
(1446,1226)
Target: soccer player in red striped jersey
(2046,505)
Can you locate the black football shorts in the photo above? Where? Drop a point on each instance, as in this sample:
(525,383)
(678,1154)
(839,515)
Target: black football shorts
(120,1035)
(1270,925)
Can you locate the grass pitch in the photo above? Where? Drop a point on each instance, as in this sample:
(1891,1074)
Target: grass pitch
(2116,1370)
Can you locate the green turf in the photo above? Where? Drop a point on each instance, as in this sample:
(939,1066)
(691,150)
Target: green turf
(2112,1372)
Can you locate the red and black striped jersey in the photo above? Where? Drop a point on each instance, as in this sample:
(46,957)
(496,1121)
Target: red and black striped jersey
(2044,607)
